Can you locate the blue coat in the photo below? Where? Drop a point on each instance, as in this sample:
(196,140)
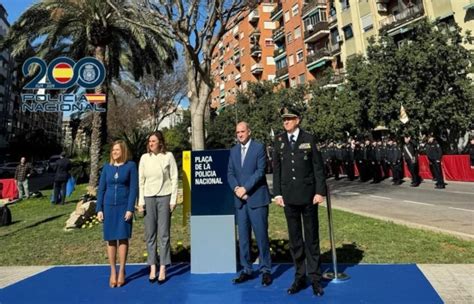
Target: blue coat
(120,191)
(251,175)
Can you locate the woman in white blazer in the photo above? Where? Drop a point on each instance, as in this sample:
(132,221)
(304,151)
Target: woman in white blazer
(158,185)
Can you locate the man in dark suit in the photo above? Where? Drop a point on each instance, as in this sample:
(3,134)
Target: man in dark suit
(246,178)
(299,185)
(63,165)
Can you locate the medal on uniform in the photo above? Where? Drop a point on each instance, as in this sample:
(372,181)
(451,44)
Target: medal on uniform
(305,157)
(282,145)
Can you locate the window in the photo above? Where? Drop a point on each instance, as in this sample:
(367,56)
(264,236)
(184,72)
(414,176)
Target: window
(270,61)
(335,36)
(348,32)
(297,32)
(345,4)
(289,37)
(295,10)
(281,64)
(269,25)
(367,22)
(291,60)
(299,56)
(269,42)
(301,78)
(318,16)
(286,17)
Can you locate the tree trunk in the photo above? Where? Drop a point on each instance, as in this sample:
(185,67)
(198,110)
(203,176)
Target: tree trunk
(99,132)
(199,96)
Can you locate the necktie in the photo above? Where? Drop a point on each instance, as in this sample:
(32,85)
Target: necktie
(242,156)
(292,142)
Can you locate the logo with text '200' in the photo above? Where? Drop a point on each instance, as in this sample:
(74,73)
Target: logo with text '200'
(62,85)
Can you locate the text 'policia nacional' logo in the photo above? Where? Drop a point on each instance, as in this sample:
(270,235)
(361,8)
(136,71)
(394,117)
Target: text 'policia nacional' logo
(63,73)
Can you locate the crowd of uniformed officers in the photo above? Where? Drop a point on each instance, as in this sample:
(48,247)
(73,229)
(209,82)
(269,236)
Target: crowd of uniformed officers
(374,159)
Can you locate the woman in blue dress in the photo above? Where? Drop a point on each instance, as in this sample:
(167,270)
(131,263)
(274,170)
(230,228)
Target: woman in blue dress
(118,187)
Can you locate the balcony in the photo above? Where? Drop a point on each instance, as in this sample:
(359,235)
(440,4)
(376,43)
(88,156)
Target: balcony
(235,31)
(335,49)
(310,6)
(382,5)
(402,17)
(277,12)
(237,78)
(278,52)
(254,16)
(278,34)
(332,20)
(317,58)
(281,72)
(256,51)
(257,68)
(237,62)
(316,31)
(254,36)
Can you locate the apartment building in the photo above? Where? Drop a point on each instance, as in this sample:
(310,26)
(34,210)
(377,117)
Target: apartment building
(309,36)
(244,55)
(359,20)
(13,121)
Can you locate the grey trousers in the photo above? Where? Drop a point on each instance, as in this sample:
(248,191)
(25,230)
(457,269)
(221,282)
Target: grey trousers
(157,224)
(23,188)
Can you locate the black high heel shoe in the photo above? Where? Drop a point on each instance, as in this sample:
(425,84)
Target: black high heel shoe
(153,280)
(161,281)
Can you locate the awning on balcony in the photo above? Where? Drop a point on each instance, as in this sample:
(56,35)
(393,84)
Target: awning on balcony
(317,64)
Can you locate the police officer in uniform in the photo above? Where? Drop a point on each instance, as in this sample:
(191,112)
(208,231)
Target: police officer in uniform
(299,185)
(434,153)
(410,154)
(348,158)
(397,165)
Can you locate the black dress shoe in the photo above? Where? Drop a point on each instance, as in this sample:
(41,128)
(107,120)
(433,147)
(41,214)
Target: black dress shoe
(242,278)
(317,290)
(296,287)
(267,279)
(153,280)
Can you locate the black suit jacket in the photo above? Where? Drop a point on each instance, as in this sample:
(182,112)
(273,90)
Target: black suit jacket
(298,174)
(63,166)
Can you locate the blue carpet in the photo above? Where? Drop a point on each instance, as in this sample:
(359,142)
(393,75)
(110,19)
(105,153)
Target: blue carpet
(89,284)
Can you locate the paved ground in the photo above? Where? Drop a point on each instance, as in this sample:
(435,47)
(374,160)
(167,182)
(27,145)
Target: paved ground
(454,283)
(449,210)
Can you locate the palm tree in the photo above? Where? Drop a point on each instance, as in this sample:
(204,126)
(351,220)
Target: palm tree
(79,28)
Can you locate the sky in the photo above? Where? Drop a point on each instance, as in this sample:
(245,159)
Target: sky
(15,8)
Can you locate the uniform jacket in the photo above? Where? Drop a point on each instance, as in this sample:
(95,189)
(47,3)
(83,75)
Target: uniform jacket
(251,175)
(413,151)
(433,151)
(298,174)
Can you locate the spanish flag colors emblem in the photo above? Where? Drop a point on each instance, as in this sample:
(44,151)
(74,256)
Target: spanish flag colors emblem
(95,98)
(63,72)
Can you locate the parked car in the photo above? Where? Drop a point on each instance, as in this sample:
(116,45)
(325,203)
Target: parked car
(39,167)
(8,169)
